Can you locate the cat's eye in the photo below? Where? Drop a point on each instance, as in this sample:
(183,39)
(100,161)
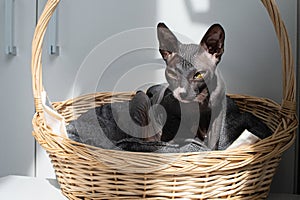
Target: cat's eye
(199,75)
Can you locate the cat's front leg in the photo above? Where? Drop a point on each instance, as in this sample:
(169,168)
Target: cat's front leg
(143,117)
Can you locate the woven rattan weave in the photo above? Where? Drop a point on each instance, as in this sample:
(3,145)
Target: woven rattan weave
(86,172)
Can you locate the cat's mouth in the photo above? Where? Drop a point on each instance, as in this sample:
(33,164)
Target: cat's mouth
(180,94)
(200,98)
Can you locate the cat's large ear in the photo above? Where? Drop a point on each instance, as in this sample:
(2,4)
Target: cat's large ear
(168,42)
(213,41)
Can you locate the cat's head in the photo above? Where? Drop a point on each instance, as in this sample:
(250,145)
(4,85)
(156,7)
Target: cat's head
(190,67)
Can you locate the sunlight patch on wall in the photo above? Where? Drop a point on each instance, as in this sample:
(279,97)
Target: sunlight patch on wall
(177,16)
(200,6)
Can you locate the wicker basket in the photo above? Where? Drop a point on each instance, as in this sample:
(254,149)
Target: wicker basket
(86,172)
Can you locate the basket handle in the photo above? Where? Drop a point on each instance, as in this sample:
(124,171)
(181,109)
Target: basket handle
(36,53)
(288,102)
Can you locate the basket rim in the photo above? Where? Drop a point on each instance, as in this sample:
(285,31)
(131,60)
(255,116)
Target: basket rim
(249,148)
(224,160)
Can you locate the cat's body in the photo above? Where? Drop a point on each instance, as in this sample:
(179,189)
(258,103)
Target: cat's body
(182,125)
(193,105)
(191,71)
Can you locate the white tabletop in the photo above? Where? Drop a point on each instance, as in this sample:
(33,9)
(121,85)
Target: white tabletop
(28,188)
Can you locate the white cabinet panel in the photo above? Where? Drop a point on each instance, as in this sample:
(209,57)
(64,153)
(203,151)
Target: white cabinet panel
(17,143)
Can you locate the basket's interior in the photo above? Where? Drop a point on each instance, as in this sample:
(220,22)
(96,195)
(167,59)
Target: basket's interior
(265,109)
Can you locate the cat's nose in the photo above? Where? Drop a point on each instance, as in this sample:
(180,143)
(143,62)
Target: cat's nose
(183,95)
